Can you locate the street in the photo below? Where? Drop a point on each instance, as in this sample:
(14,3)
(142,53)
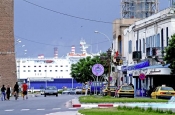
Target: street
(38,105)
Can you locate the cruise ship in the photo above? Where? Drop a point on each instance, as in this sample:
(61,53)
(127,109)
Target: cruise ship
(42,72)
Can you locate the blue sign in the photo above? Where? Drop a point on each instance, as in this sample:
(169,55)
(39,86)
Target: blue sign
(97,69)
(137,66)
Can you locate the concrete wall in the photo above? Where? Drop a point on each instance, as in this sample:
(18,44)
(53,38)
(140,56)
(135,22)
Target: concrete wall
(7,55)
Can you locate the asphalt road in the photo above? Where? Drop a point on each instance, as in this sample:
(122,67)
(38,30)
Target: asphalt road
(38,105)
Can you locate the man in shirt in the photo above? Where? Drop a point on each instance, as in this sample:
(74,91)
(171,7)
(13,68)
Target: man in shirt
(24,87)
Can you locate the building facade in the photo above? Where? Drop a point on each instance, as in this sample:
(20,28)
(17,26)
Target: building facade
(145,40)
(7,55)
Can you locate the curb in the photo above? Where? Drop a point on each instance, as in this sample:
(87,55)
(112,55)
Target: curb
(93,105)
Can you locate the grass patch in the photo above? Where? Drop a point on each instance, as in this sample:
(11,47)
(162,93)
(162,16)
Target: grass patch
(124,111)
(108,99)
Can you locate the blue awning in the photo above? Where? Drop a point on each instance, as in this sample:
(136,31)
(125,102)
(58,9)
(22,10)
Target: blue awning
(136,66)
(156,66)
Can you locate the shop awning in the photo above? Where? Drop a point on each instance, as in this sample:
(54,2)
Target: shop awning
(156,66)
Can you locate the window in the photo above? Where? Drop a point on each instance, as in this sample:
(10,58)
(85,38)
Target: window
(24,66)
(130,46)
(140,45)
(61,65)
(24,70)
(56,66)
(34,70)
(39,66)
(50,70)
(28,66)
(45,70)
(39,70)
(61,70)
(35,66)
(162,40)
(45,65)
(167,38)
(66,70)
(50,66)
(143,45)
(136,45)
(157,40)
(55,70)
(66,65)
(28,70)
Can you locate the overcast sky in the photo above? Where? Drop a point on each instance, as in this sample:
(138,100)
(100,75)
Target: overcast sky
(46,24)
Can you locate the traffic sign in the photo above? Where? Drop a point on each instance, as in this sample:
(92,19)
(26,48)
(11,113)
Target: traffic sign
(97,69)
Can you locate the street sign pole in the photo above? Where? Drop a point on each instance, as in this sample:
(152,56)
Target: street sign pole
(97,70)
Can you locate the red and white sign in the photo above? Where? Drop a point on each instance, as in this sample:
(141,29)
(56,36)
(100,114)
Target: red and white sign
(142,76)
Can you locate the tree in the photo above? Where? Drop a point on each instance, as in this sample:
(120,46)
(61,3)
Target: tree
(82,71)
(170,54)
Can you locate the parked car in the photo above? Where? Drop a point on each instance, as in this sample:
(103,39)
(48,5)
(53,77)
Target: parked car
(124,91)
(51,90)
(78,90)
(163,92)
(112,90)
(42,91)
(69,91)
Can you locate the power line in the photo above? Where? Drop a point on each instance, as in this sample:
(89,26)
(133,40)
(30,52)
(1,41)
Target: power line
(87,19)
(55,45)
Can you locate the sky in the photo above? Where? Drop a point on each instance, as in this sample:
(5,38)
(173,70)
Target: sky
(42,25)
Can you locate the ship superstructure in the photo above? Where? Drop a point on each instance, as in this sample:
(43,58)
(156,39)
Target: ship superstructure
(50,68)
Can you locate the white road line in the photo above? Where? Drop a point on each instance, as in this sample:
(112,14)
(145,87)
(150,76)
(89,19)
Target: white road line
(72,108)
(9,110)
(40,109)
(25,109)
(56,108)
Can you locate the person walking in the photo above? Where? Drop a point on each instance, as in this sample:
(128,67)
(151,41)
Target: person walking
(86,88)
(24,87)
(3,89)
(8,92)
(16,90)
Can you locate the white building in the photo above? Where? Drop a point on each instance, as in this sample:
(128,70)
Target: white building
(50,68)
(144,41)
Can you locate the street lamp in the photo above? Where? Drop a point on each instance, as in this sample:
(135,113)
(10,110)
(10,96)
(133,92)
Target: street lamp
(104,35)
(108,59)
(109,69)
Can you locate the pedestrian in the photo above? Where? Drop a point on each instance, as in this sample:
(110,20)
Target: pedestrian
(3,90)
(86,88)
(16,89)
(24,87)
(8,92)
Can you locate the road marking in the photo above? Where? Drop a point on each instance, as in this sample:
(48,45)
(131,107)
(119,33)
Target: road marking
(72,108)
(56,108)
(25,109)
(9,110)
(40,109)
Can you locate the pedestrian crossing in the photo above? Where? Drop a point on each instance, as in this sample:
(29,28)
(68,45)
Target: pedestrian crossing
(39,109)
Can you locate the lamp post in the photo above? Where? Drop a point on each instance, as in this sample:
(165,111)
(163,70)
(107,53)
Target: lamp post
(105,36)
(109,69)
(108,60)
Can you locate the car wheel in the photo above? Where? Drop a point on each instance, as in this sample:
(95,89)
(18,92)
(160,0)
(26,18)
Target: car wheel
(157,97)
(45,95)
(56,95)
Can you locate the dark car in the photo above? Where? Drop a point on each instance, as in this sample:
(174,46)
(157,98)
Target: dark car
(51,90)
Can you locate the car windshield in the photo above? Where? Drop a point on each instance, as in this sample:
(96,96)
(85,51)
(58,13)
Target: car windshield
(167,89)
(126,88)
(113,87)
(51,88)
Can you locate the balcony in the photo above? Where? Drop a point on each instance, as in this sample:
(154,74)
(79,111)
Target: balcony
(136,55)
